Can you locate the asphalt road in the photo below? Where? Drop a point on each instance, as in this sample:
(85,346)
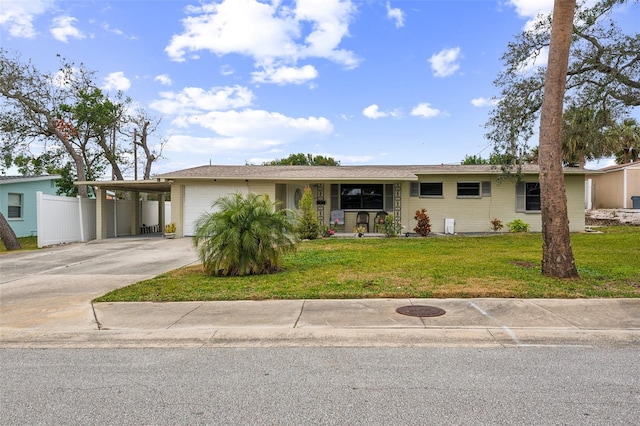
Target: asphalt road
(323,386)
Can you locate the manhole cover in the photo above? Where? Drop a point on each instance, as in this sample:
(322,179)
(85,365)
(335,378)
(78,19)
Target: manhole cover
(420,311)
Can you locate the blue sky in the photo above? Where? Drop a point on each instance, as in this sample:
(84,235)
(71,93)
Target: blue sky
(237,81)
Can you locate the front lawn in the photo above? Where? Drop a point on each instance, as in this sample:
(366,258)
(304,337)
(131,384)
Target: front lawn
(506,265)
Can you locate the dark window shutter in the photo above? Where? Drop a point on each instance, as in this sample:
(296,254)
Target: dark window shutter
(486,188)
(335,196)
(520,197)
(388,197)
(414,189)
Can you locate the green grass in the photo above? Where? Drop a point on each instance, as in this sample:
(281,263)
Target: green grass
(27,243)
(506,265)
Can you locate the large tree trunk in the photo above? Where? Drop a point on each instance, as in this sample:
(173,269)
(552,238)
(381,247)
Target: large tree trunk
(557,255)
(9,238)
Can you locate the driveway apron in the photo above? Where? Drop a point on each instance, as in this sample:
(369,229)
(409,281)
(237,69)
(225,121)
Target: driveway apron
(52,288)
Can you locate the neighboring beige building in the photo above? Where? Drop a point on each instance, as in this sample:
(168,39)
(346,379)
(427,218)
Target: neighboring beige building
(612,187)
(458,198)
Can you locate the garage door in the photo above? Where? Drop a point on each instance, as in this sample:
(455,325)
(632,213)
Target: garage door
(198,200)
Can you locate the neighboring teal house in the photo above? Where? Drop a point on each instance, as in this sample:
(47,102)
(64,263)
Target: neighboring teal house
(18,201)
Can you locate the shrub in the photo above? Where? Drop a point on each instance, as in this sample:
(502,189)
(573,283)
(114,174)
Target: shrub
(244,236)
(390,227)
(424,224)
(496,224)
(517,225)
(308,227)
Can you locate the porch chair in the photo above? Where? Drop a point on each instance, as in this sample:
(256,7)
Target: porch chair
(363,219)
(378,221)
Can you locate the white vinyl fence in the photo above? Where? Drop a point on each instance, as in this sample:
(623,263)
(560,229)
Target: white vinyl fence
(69,219)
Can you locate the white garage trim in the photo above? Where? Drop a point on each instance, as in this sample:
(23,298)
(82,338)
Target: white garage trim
(198,200)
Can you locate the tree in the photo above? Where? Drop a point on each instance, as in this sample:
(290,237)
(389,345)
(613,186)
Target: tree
(31,102)
(65,118)
(470,160)
(244,236)
(584,135)
(7,235)
(139,126)
(557,255)
(625,139)
(603,74)
(303,160)
(307,226)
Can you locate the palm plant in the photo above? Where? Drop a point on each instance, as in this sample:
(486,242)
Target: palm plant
(244,236)
(626,137)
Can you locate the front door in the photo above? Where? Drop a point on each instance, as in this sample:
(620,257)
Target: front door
(295,192)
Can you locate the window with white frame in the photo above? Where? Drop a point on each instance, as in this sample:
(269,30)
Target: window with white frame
(15,206)
(528,197)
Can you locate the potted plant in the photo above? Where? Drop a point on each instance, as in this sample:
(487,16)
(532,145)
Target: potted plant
(170,230)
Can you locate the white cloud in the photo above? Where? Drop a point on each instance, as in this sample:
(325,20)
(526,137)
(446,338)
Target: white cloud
(116,81)
(275,35)
(445,62)
(260,124)
(531,8)
(426,111)
(117,31)
(62,29)
(163,79)
(227,70)
(372,112)
(285,75)
(483,102)
(196,100)
(18,15)
(396,15)
(247,130)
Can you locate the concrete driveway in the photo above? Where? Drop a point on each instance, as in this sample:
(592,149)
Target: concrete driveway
(51,289)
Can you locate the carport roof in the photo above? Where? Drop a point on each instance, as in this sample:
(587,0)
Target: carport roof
(154,185)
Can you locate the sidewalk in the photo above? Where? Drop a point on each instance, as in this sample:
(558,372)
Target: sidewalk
(363,322)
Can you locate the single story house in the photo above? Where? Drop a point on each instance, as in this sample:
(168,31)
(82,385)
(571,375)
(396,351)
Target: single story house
(458,198)
(612,187)
(18,200)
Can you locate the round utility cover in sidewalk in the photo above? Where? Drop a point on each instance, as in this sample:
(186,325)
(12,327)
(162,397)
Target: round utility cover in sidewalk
(420,311)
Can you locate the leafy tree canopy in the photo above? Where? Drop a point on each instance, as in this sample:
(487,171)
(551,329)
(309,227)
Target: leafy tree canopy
(603,82)
(49,121)
(303,160)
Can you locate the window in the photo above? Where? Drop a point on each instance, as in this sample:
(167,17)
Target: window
(468,189)
(431,189)
(15,206)
(362,196)
(528,197)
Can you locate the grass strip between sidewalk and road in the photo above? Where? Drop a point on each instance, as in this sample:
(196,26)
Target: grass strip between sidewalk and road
(505,265)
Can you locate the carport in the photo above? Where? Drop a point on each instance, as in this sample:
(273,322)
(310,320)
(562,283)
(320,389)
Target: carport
(134,188)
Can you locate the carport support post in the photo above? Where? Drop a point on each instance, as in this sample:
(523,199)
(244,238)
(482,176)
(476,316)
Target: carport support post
(135,213)
(101,213)
(161,218)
